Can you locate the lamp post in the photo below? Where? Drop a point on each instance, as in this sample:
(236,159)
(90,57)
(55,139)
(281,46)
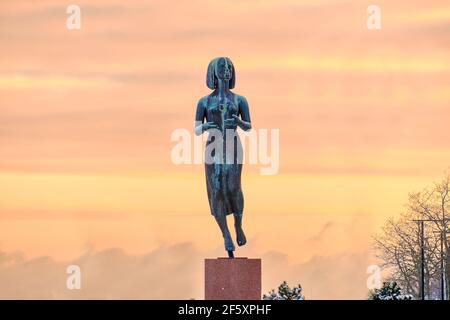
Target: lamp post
(443,235)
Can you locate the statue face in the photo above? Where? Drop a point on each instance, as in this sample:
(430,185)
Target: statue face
(223,70)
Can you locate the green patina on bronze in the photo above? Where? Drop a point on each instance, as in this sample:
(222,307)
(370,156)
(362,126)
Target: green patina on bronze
(223,111)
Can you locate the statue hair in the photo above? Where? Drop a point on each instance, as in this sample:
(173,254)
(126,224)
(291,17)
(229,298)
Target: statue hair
(211,79)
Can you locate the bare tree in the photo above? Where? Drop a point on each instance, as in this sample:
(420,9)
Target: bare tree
(434,204)
(398,243)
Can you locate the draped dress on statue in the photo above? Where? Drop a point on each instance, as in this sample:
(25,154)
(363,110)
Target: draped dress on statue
(223,175)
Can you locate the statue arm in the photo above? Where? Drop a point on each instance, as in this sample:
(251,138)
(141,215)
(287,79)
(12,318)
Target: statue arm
(200,115)
(244,122)
(199,118)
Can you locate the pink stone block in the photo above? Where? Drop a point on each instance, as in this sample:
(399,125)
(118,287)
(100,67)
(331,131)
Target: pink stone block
(232,279)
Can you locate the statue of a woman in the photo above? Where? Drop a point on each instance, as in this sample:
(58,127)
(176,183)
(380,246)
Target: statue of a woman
(223,111)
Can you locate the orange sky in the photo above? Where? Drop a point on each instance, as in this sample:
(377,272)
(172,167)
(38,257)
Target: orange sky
(86,117)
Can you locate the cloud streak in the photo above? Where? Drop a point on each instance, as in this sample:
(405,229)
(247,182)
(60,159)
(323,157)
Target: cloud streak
(170,272)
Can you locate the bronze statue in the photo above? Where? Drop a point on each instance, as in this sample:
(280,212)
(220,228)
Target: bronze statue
(222,112)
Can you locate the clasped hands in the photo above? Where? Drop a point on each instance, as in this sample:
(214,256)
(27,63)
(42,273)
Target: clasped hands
(229,123)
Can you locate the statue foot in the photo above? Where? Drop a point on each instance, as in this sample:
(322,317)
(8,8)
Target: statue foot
(240,236)
(229,245)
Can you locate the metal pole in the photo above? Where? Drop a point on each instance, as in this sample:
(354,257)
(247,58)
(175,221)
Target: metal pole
(442,266)
(421,235)
(444,263)
(422,261)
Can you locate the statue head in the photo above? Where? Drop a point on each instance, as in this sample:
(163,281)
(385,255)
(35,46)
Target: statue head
(220,69)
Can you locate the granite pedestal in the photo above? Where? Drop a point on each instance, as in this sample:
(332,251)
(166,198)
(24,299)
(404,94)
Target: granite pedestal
(232,279)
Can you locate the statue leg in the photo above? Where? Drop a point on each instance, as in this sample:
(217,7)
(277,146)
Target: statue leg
(222,222)
(240,236)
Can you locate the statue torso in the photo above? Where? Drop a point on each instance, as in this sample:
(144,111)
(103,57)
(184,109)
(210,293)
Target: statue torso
(220,108)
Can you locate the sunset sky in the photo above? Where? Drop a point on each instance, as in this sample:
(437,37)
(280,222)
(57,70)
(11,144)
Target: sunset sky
(86,118)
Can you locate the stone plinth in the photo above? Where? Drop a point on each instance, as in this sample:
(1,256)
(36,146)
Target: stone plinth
(232,279)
